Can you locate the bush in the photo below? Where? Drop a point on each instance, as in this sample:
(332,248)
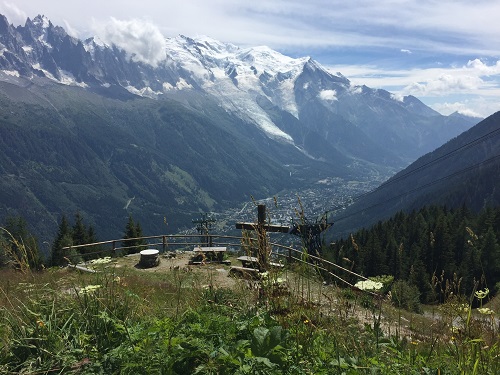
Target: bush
(406,296)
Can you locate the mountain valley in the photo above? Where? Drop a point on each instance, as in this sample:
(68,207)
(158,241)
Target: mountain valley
(86,127)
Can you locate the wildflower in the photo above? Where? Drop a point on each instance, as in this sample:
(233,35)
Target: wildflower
(104,260)
(485,311)
(369,285)
(306,321)
(90,289)
(480,294)
(40,323)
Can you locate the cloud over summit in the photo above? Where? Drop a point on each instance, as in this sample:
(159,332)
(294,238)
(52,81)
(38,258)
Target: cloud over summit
(142,40)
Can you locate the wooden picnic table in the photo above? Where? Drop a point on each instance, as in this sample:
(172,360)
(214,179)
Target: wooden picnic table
(249,262)
(253,262)
(208,254)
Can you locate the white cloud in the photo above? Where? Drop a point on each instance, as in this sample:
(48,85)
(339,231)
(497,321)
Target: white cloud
(398,97)
(473,88)
(70,30)
(484,69)
(15,15)
(329,95)
(406,51)
(444,85)
(474,77)
(142,40)
(463,108)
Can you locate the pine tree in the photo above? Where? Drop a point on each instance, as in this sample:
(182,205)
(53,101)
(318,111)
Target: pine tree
(80,235)
(79,232)
(490,253)
(140,243)
(64,238)
(130,236)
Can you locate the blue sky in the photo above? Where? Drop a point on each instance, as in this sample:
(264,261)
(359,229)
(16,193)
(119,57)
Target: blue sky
(445,52)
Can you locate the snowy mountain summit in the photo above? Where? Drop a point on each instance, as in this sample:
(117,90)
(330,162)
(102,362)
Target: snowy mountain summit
(295,101)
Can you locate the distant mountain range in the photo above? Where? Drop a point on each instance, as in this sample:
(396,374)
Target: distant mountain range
(86,126)
(463,172)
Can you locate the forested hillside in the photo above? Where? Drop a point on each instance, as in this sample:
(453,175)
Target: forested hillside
(428,247)
(463,172)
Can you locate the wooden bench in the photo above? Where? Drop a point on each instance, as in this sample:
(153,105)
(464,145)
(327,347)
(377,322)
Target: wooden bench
(249,262)
(209,254)
(253,262)
(244,272)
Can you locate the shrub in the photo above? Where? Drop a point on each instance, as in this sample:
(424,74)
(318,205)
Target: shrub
(406,296)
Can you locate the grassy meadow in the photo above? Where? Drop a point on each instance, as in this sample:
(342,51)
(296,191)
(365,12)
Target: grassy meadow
(179,319)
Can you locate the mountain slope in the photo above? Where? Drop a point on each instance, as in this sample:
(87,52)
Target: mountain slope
(91,127)
(326,105)
(463,172)
(70,150)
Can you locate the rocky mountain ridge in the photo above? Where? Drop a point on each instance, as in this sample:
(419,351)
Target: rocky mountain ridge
(86,126)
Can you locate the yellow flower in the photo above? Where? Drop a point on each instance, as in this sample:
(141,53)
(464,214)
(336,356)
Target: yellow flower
(40,323)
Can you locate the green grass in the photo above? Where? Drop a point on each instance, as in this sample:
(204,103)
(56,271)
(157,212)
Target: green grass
(123,320)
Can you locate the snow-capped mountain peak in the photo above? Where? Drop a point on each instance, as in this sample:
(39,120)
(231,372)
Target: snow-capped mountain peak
(41,21)
(289,99)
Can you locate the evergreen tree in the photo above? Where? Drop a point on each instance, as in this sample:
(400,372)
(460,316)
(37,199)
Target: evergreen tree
(64,238)
(435,240)
(91,252)
(132,232)
(4,250)
(79,232)
(140,243)
(490,253)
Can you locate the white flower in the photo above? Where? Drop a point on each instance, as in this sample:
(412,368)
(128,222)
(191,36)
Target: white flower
(485,311)
(369,285)
(480,294)
(89,289)
(101,260)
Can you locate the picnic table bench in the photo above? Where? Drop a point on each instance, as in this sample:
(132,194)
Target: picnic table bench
(248,262)
(253,262)
(209,254)
(244,272)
